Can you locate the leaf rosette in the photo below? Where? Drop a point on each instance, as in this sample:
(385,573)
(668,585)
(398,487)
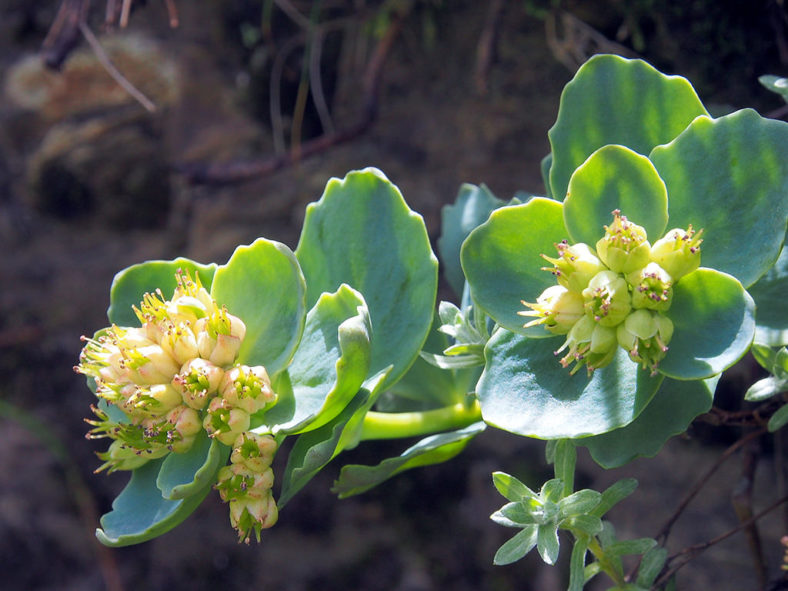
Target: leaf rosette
(629,140)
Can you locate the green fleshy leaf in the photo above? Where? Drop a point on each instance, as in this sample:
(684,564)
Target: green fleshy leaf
(729,176)
(263,285)
(524,390)
(714,324)
(471,208)
(313,450)
(512,488)
(614,494)
(503,263)
(577,565)
(547,543)
(763,354)
(771,320)
(330,364)
(580,502)
(518,546)
(133,282)
(765,389)
(140,513)
(612,100)
(588,524)
(779,419)
(362,233)
(544,167)
(355,479)
(775,84)
(651,566)
(615,178)
(630,547)
(185,474)
(670,413)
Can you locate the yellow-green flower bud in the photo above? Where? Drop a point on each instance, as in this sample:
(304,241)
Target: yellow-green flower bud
(179,341)
(248,388)
(198,381)
(557,309)
(645,336)
(219,337)
(150,365)
(149,401)
(651,288)
(253,515)
(607,298)
(121,456)
(224,422)
(624,247)
(575,265)
(254,452)
(590,344)
(678,252)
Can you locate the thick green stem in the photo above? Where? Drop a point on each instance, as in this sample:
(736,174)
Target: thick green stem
(604,562)
(386,425)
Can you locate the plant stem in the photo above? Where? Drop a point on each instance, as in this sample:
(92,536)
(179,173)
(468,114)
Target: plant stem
(604,562)
(386,425)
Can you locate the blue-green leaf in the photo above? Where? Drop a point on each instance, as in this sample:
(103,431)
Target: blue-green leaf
(771,319)
(471,208)
(525,390)
(362,233)
(729,176)
(354,479)
(140,513)
(263,285)
(714,324)
(612,100)
(503,263)
(330,364)
(674,407)
(185,474)
(518,546)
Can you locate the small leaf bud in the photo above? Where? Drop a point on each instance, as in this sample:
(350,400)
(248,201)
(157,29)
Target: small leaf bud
(678,252)
(624,247)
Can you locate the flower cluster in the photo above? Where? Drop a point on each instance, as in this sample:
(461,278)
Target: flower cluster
(246,485)
(616,295)
(172,377)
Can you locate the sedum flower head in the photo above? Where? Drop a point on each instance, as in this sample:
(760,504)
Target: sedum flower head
(172,377)
(622,302)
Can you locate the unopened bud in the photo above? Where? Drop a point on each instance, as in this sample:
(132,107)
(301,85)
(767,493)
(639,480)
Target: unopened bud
(645,335)
(678,252)
(607,298)
(254,452)
(248,388)
(557,309)
(575,265)
(624,247)
(651,288)
(198,382)
(589,344)
(225,422)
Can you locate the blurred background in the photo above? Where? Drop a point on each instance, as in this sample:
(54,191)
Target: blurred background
(150,130)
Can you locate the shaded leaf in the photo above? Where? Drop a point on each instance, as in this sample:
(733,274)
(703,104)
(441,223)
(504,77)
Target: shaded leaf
(614,494)
(362,233)
(729,176)
(714,324)
(354,479)
(140,513)
(525,391)
(263,285)
(670,413)
(771,319)
(615,178)
(185,474)
(612,100)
